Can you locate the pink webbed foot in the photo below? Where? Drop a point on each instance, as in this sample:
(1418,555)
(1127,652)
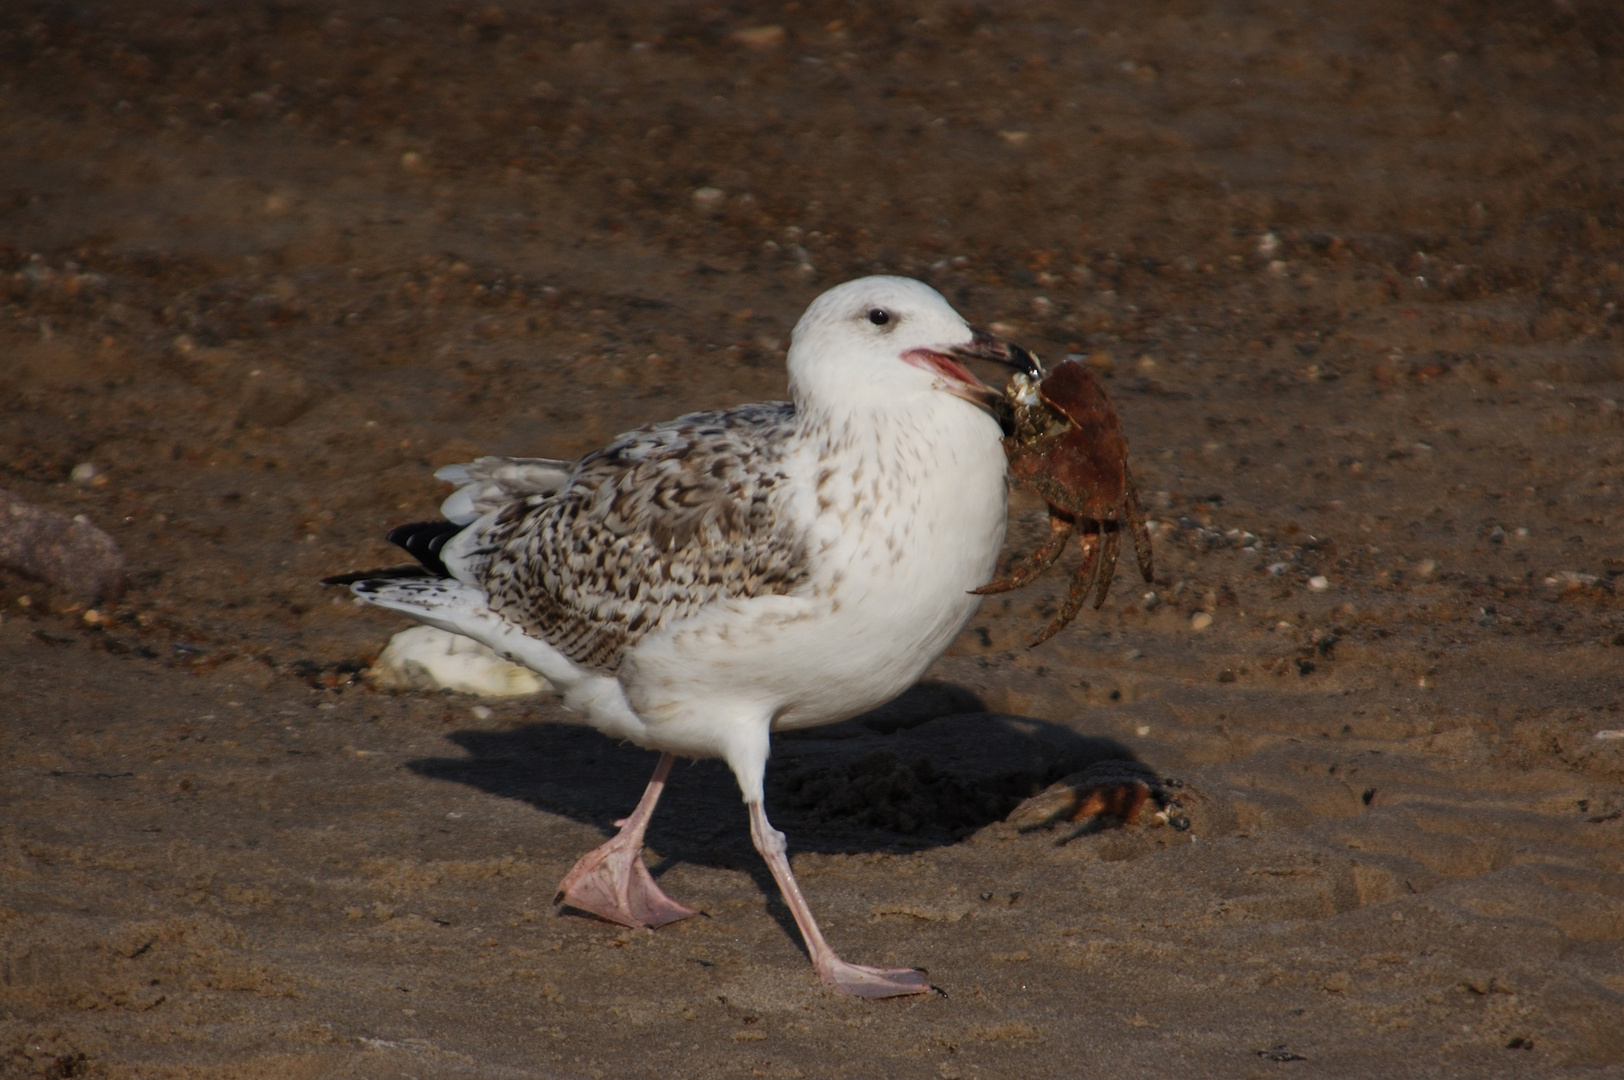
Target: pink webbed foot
(612,883)
(860,980)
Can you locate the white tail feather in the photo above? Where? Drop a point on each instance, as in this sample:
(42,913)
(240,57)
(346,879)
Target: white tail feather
(460,608)
(489,483)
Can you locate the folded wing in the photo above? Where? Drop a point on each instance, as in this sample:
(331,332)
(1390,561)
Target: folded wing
(649,530)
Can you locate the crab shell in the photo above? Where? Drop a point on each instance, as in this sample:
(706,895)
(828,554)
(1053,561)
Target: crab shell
(1082,468)
(1067,445)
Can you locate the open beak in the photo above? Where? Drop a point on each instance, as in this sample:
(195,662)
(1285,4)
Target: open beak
(983,346)
(961,382)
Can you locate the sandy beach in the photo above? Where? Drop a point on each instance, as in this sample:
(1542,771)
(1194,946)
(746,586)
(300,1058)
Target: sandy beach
(1351,274)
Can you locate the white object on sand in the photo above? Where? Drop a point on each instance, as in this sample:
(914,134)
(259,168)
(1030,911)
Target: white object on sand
(428,658)
(702,583)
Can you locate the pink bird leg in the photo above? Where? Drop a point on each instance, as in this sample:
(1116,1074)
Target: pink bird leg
(611,881)
(857,980)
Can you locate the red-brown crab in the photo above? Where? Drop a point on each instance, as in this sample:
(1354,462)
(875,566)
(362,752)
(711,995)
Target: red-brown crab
(1067,445)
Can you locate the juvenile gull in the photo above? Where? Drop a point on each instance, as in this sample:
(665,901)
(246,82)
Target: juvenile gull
(701,583)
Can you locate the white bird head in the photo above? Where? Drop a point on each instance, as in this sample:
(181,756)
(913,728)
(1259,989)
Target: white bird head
(881,340)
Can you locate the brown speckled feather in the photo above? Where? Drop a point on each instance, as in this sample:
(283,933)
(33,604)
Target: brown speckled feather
(650,529)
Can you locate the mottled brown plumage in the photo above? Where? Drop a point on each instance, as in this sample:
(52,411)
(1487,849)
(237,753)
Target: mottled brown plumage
(663,521)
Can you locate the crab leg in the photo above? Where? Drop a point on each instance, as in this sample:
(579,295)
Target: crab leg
(1024,574)
(1082,583)
(1135,514)
(1110,545)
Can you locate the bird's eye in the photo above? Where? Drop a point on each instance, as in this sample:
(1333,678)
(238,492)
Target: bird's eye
(879,316)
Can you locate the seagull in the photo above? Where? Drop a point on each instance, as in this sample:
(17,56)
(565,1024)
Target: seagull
(701,583)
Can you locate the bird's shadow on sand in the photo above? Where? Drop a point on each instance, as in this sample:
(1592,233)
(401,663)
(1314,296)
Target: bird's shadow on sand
(922,771)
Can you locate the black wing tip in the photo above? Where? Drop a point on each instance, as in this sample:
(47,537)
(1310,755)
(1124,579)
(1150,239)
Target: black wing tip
(423,540)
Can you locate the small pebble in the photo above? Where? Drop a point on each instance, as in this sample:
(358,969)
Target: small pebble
(1611,733)
(708,200)
(1200,621)
(760,37)
(1319,583)
(83,473)
(481,712)
(1426,568)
